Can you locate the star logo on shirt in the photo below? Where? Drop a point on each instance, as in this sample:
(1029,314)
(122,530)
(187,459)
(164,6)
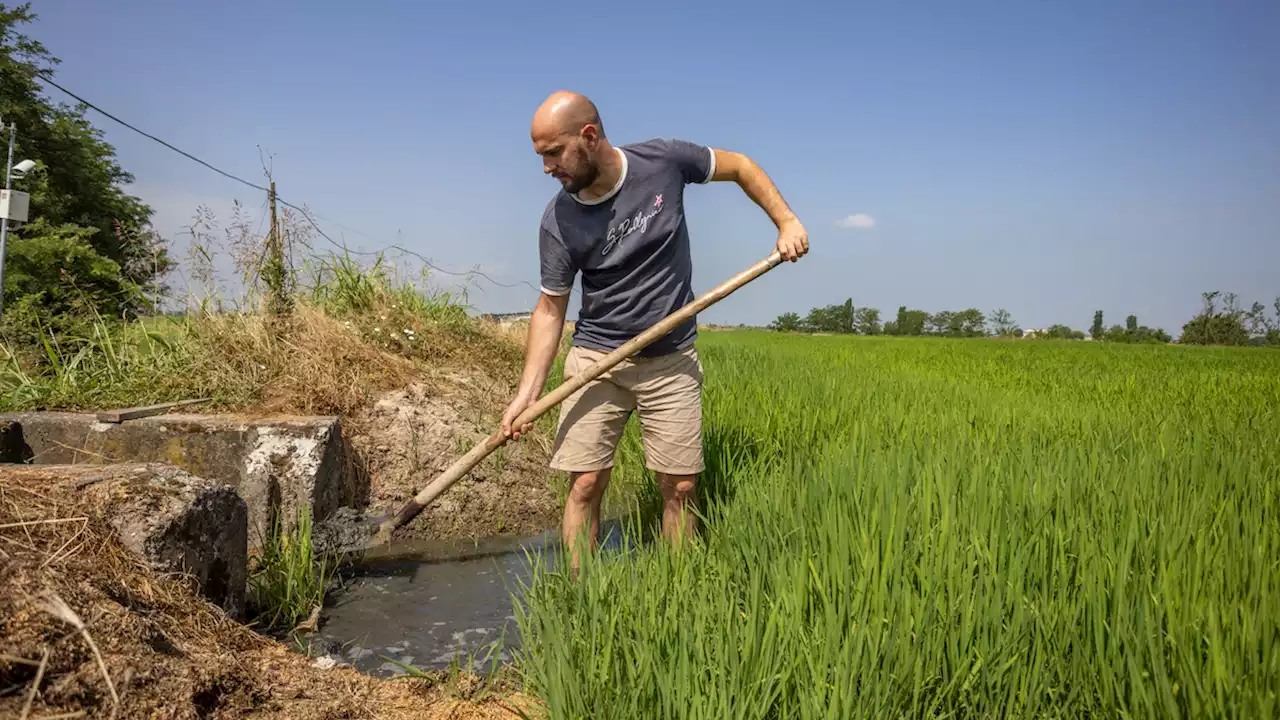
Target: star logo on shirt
(657,201)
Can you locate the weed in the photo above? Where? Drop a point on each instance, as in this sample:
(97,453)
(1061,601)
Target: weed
(287,579)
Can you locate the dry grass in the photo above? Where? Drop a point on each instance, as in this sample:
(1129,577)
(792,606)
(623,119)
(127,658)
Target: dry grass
(516,332)
(313,362)
(83,620)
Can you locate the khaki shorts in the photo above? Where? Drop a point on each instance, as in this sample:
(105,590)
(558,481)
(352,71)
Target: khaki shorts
(665,392)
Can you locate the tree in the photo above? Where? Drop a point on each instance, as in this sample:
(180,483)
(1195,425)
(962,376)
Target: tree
(1132,332)
(787,322)
(908,322)
(78,204)
(1214,327)
(62,252)
(866,321)
(1259,324)
(969,322)
(1062,332)
(1097,330)
(940,322)
(1002,323)
(831,319)
(1273,329)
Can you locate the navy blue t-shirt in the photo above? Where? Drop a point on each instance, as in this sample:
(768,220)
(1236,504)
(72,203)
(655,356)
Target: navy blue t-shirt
(631,247)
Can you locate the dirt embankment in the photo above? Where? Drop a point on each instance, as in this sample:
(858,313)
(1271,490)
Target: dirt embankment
(87,627)
(407,437)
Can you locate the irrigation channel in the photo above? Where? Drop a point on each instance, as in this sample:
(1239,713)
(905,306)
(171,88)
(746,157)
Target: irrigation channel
(431,604)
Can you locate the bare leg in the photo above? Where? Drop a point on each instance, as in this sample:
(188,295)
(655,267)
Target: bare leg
(583,508)
(677,502)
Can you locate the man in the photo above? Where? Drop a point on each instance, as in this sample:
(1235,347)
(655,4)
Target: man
(619,221)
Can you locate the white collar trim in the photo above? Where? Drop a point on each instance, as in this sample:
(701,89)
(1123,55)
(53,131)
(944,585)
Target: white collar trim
(613,190)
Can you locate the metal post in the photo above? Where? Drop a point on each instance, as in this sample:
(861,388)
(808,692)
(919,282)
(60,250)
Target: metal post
(4,223)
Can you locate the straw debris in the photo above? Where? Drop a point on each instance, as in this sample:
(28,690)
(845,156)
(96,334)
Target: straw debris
(88,629)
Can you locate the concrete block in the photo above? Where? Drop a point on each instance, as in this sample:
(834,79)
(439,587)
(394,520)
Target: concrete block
(177,522)
(278,465)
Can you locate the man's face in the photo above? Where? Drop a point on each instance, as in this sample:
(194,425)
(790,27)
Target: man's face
(569,158)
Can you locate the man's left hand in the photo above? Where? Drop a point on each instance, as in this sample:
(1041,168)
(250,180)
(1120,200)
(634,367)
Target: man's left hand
(793,240)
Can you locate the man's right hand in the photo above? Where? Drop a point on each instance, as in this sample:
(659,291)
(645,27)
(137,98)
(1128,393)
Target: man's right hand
(542,340)
(517,406)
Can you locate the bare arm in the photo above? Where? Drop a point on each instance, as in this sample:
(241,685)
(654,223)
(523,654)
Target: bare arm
(793,240)
(736,167)
(541,344)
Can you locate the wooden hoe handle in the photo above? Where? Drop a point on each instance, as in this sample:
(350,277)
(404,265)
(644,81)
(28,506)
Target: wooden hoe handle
(464,464)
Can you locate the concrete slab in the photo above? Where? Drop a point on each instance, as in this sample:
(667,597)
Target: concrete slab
(278,465)
(177,522)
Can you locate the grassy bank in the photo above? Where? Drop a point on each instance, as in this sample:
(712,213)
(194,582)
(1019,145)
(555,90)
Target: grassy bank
(355,330)
(356,333)
(916,528)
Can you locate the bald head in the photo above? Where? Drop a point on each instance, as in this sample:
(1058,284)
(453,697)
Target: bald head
(565,112)
(567,133)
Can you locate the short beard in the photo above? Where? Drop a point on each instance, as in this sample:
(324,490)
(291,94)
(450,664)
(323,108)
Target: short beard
(576,185)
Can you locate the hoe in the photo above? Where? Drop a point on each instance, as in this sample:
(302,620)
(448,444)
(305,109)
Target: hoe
(464,464)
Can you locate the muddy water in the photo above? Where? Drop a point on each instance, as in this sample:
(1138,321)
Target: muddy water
(431,605)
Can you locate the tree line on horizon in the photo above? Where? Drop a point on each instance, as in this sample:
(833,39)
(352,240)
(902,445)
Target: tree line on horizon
(1227,323)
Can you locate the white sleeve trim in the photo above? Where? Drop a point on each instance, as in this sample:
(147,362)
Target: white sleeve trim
(711,171)
(555,293)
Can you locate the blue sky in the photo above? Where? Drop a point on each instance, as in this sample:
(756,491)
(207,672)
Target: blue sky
(1048,158)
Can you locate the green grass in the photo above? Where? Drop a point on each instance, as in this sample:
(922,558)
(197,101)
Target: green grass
(111,364)
(287,578)
(932,528)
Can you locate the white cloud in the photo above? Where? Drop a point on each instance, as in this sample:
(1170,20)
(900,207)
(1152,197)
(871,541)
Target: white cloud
(861,221)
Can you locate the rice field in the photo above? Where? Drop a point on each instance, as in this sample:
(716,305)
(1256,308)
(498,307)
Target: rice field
(922,528)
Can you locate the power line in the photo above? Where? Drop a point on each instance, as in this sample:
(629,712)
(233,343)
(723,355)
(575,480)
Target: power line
(308,216)
(323,234)
(88,104)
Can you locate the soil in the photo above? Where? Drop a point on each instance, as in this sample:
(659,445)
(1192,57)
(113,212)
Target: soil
(408,436)
(66,580)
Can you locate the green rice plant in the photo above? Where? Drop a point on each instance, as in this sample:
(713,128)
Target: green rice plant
(287,578)
(927,528)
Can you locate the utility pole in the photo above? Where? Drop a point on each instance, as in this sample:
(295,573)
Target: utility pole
(274,272)
(13,204)
(4,221)
(271,197)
